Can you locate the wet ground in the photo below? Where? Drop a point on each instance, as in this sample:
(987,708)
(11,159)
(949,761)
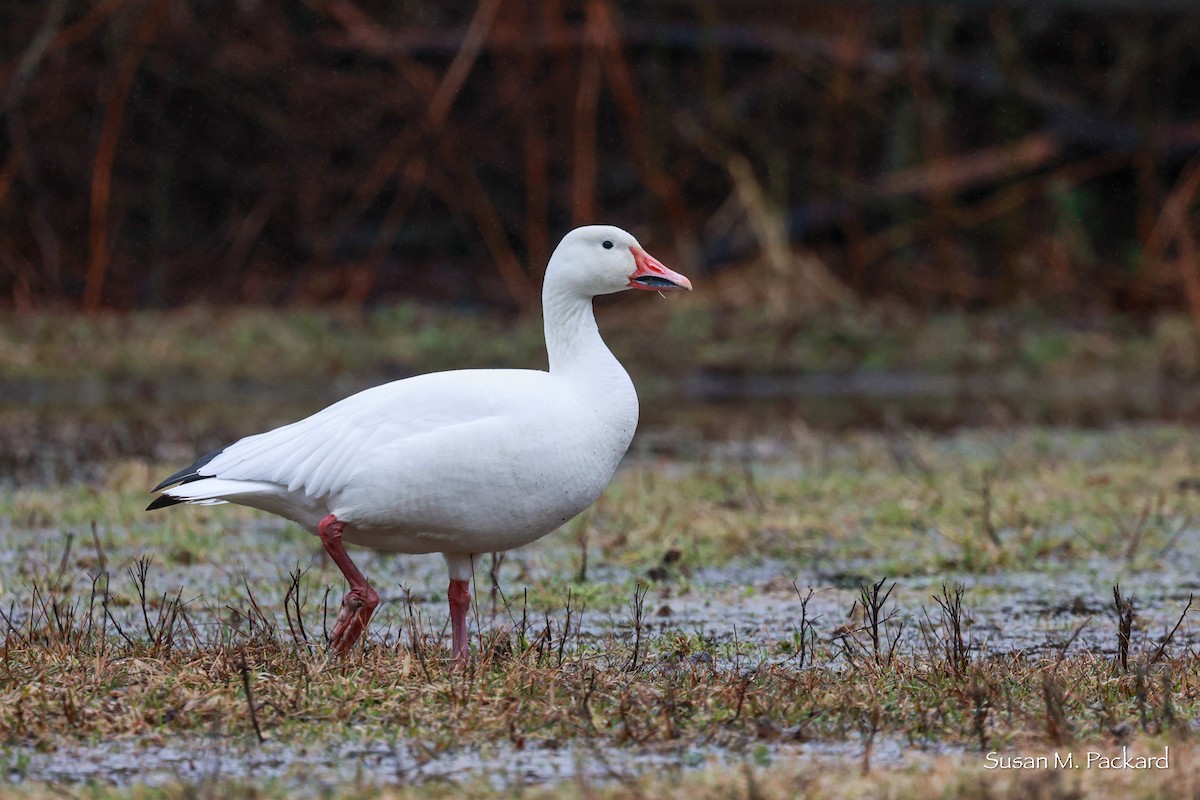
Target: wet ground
(313,771)
(747,609)
(59,429)
(745,601)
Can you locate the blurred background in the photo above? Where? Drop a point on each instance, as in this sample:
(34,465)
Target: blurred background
(894,214)
(157,153)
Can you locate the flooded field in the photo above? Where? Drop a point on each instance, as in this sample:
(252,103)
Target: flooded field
(708,614)
(317,771)
(55,429)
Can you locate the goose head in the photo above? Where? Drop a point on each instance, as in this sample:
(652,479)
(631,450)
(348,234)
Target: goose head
(603,259)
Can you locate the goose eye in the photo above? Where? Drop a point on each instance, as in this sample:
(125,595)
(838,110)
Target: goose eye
(607,245)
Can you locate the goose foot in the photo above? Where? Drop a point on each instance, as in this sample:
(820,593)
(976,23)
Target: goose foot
(360,602)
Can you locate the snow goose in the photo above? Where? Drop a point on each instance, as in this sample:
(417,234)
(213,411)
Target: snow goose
(459,463)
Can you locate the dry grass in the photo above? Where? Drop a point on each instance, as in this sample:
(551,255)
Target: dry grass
(71,670)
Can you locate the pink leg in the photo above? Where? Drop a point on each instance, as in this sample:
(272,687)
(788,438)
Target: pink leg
(360,602)
(460,601)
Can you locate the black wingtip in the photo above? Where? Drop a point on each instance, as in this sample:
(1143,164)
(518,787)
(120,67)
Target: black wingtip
(162,501)
(187,474)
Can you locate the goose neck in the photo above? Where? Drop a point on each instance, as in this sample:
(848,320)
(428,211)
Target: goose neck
(572,339)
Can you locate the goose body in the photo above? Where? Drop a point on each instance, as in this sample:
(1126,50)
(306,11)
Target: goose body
(462,462)
(469,461)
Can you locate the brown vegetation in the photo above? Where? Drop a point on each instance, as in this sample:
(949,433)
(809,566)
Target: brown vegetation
(71,670)
(662,644)
(155,153)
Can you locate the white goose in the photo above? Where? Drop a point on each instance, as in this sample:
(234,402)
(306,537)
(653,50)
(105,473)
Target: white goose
(463,462)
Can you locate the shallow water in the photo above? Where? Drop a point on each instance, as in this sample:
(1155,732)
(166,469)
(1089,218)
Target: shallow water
(744,610)
(313,771)
(747,610)
(54,430)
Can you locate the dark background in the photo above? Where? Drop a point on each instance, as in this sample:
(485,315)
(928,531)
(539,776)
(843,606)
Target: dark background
(156,153)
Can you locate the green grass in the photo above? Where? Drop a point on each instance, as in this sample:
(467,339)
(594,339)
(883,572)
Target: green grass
(902,504)
(651,336)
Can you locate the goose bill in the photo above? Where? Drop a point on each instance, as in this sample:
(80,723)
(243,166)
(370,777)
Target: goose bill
(652,275)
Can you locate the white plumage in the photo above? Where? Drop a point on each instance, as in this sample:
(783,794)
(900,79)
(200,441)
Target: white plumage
(463,462)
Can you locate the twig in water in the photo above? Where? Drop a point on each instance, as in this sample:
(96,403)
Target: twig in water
(1124,606)
(1162,648)
(562,640)
(1062,651)
(806,643)
(325,616)
(256,616)
(292,603)
(873,603)
(99,550)
(138,573)
(954,647)
(639,597)
(62,562)
(494,575)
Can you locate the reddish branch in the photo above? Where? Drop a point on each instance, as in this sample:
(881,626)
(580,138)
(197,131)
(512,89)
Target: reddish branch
(293,155)
(98,238)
